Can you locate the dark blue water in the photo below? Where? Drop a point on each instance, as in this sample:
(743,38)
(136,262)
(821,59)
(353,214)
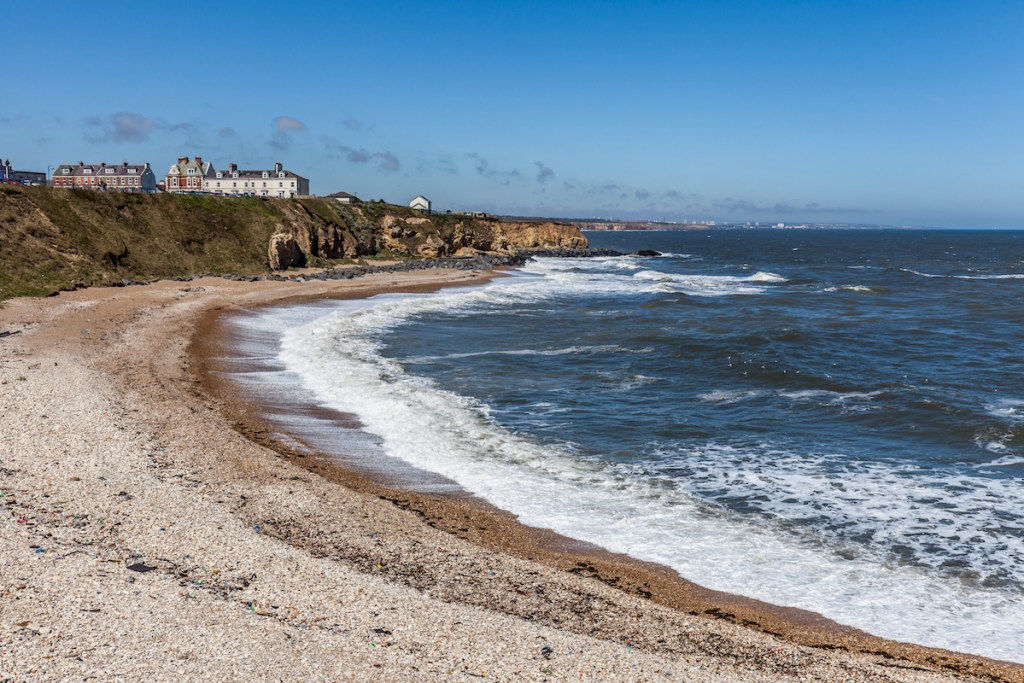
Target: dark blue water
(827,419)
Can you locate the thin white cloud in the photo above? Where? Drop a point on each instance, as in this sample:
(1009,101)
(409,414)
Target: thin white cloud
(284,127)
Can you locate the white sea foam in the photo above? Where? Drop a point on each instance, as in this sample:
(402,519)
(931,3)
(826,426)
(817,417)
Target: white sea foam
(1007,461)
(766,277)
(999,276)
(848,288)
(1009,409)
(825,396)
(901,508)
(707,285)
(566,351)
(819,396)
(725,396)
(643,510)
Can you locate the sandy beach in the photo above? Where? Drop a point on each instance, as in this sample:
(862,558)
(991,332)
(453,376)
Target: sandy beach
(151,526)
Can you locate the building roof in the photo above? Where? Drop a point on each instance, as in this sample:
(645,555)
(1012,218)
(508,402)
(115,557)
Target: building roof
(256,174)
(342,195)
(101,169)
(180,167)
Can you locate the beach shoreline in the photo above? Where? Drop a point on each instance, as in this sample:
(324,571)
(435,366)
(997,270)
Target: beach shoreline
(451,555)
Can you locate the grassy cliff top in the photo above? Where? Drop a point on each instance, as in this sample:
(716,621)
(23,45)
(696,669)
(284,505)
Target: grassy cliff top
(53,239)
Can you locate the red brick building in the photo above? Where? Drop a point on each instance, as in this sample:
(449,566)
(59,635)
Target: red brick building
(188,175)
(123,177)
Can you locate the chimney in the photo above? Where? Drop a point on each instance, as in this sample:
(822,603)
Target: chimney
(277,167)
(199,161)
(232,167)
(182,160)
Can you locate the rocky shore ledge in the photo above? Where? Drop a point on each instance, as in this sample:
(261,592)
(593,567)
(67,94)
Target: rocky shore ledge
(143,535)
(477,262)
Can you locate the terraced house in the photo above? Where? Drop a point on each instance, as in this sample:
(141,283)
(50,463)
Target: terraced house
(270,183)
(188,175)
(124,177)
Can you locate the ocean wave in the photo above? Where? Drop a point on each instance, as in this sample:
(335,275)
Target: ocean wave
(725,396)
(1007,461)
(999,276)
(850,288)
(819,396)
(1009,409)
(566,351)
(765,277)
(632,382)
(925,519)
(707,285)
(826,396)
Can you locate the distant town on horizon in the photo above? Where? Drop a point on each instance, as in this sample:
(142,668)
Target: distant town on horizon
(196,176)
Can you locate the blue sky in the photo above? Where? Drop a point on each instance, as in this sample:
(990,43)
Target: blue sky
(874,112)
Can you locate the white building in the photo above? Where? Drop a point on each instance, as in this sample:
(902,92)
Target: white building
(272,183)
(420,203)
(343,197)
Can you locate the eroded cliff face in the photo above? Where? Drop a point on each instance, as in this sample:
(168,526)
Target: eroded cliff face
(546,235)
(397,231)
(315,229)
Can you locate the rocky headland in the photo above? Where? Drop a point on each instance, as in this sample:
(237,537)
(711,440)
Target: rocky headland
(57,239)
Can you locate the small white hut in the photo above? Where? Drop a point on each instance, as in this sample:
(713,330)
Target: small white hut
(420,203)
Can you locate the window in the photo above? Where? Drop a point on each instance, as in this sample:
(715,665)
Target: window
(280,175)
(191,171)
(265,174)
(131,170)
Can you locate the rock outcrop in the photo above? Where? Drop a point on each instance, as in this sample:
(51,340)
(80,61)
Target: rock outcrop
(400,232)
(547,235)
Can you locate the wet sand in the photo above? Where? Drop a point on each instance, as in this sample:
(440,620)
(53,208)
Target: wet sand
(270,560)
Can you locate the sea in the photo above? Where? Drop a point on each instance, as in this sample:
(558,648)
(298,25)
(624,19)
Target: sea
(825,419)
